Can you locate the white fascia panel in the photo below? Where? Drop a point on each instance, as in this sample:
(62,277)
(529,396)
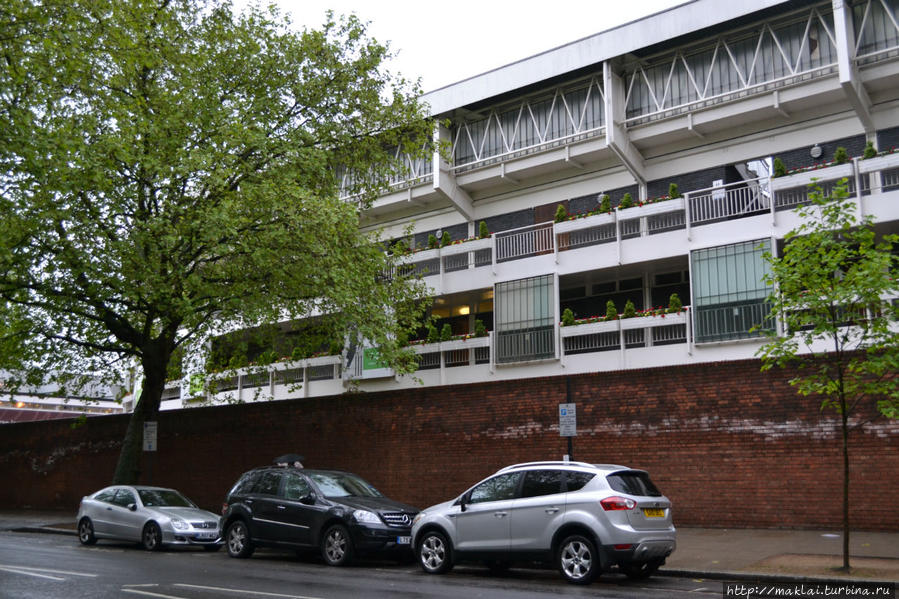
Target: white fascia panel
(676,21)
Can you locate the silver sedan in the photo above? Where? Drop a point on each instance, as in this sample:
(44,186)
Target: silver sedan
(151,516)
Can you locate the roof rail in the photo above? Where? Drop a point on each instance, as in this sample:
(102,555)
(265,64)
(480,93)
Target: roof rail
(549,463)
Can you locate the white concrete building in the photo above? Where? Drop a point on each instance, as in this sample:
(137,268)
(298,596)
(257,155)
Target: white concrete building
(703,96)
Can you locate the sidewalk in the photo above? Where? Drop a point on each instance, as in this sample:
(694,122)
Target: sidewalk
(717,553)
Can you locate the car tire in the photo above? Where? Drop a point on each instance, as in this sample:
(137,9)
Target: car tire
(337,546)
(642,570)
(434,553)
(151,537)
(578,560)
(237,538)
(86,532)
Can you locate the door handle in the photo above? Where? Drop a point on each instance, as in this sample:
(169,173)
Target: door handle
(500,514)
(551,510)
(281,507)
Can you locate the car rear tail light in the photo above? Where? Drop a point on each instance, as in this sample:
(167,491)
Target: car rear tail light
(224,508)
(617,503)
(623,547)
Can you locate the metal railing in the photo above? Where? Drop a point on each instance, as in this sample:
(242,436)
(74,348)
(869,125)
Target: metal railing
(729,201)
(537,343)
(733,321)
(524,242)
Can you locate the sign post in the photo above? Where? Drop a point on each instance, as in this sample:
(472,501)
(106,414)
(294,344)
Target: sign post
(150,429)
(568,425)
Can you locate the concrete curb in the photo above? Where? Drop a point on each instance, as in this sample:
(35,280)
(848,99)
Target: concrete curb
(771,578)
(44,529)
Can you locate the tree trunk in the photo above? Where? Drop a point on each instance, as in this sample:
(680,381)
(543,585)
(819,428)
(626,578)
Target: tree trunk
(127,469)
(844,417)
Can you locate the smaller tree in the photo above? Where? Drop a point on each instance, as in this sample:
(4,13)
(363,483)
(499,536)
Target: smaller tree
(629,309)
(605,203)
(561,213)
(611,311)
(780,169)
(870,151)
(841,156)
(833,290)
(627,200)
(483,231)
(674,304)
(673,192)
(567,317)
(445,239)
(446,333)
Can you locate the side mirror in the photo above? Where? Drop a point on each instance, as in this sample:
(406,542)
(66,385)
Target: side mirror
(308,499)
(462,504)
(132,507)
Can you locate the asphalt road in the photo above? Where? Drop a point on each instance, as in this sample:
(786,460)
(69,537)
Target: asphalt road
(41,566)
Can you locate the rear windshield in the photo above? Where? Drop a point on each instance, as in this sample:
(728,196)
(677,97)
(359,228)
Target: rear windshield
(633,483)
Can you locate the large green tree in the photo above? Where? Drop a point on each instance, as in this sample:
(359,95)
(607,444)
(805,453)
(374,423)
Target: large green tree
(171,168)
(835,290)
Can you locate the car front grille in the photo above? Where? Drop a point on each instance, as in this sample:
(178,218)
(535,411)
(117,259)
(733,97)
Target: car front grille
(403,519)
(206,524)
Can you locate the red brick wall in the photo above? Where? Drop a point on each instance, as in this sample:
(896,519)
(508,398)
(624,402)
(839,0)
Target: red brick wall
(731,446)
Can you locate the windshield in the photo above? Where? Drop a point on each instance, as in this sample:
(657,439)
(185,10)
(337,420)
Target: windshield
(163,498)
(341,484)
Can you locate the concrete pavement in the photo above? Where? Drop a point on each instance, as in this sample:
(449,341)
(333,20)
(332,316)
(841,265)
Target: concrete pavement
(715,553)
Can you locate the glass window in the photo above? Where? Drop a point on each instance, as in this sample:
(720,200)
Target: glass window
(729,291)
(497,488)
(245,484)
(524,316)
(343,484)
(124,497)
(106,495)
(296,487)
(268,483)
(163,498)
(633,483)
(541,482)
(575,481)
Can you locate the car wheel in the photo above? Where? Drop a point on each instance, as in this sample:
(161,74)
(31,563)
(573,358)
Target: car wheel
(434,553)
(641,571)
(86,532)
(337,547)
(151,537)
(211,548)
(237,538)
(578,560)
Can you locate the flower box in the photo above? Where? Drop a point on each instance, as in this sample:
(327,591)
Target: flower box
(651,209)
(467,246)
(805,178)
(567,226)
(452,344)
(658,320)
(590,328)
(879,163)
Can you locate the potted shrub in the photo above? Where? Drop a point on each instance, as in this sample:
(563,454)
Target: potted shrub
(446,333)
(673,193)
(780,169)
(445,239)
(840,155)
(432,241)
(611,311)
(629,309)
(483,231)
(480,330)
(433,335)
(870,151)
(674,304)
(627,201)
(561,213)
(605,203)
(567,317)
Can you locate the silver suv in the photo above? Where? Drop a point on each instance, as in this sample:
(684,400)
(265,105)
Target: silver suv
(584,518)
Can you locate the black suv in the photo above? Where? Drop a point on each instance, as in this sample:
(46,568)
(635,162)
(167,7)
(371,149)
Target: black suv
(337,512)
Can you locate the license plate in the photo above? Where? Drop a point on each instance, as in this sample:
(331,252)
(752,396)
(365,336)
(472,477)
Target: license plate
(651,512)
(403,540)
(206,535)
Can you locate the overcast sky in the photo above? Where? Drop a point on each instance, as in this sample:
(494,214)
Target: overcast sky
(447,41)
